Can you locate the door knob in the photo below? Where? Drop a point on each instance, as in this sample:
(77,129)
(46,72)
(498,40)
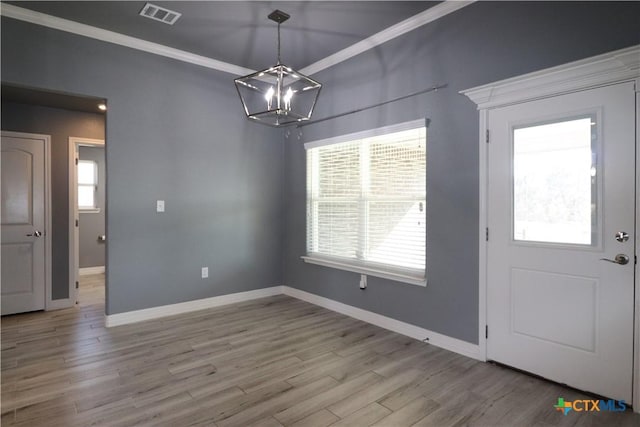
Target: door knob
(35,234)
(621,259)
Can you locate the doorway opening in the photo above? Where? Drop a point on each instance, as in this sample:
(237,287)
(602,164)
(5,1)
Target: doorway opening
(87,213)
(62,118)
(539,261)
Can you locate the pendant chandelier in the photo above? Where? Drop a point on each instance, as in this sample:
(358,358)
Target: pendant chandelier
(278,95)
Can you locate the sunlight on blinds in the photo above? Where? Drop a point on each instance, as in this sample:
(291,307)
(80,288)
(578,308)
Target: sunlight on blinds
(366,201)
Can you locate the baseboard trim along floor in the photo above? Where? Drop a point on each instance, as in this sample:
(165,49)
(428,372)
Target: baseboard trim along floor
(413,331)
(188,306)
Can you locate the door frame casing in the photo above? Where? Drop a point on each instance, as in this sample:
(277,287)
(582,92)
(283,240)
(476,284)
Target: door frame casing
(74,240)
(602,70)
(49,304)
(636,345)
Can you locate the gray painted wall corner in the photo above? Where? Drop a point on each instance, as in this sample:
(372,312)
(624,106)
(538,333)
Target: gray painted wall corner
(171,135)
(481,43)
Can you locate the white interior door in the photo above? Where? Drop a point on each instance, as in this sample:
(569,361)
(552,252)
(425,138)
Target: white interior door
(561,175)
(23,224)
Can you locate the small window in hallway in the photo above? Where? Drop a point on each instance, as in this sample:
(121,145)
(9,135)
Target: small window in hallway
(87,184)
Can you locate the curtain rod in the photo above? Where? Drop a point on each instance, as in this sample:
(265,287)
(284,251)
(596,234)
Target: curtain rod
(431,89)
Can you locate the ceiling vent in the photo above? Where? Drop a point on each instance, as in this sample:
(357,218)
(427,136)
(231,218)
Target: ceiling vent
(160,14)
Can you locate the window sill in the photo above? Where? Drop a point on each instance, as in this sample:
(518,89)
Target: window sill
(369,271)
(94,210)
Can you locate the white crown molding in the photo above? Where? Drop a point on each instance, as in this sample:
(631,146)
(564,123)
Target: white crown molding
(609,68)
(26,15)
(187,307)
(409,24)
(413,331)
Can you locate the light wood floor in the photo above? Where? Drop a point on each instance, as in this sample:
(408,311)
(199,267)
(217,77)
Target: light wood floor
(270,362)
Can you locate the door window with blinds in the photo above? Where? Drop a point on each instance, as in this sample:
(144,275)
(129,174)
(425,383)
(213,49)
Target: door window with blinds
(366,196)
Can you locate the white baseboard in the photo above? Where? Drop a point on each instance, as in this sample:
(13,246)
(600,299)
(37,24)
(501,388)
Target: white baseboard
(91,270)
(188,306)
(439,340)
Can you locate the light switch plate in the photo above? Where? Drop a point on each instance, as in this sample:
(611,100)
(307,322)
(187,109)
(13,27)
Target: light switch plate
(205,272)
(160,206)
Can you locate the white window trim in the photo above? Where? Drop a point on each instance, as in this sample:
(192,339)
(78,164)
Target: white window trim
(88,210)
(368,268)
(368,133)
(370,271)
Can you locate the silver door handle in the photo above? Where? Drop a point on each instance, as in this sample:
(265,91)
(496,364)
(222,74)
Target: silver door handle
(621,259)
(35,234)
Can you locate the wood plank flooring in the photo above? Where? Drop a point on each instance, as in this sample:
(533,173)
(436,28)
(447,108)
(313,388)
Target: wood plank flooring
(270,362)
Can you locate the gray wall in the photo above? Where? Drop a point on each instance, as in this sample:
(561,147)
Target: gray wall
(91,224)
(176,132)
(60,124)
(479,44)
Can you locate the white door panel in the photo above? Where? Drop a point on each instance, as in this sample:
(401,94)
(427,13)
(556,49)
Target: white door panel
(560,186)
(23,213)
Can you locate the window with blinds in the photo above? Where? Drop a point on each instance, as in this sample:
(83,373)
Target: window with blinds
(366,196)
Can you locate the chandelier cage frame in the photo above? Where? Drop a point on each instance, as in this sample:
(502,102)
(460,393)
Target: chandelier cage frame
(278,95)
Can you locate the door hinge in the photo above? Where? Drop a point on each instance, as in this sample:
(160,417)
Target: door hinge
(635,259)
(76,161)
(76,222)
(486,137)
(77,284)
(486,331)
(486,234)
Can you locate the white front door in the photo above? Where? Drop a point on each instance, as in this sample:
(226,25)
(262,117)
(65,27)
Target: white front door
(560,290)
(23,224)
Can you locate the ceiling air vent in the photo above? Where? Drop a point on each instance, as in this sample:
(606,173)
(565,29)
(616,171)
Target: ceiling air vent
(160,14)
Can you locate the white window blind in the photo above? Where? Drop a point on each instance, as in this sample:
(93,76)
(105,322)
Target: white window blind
(366,196)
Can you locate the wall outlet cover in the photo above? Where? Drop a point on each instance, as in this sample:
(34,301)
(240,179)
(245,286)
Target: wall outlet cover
(205,272)
(160,206)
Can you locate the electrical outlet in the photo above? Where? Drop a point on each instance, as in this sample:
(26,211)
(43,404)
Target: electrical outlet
(205,272)
(159,205)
